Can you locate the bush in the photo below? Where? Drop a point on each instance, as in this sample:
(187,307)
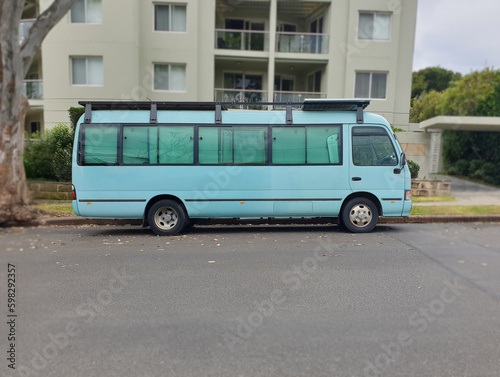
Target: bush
(48,157)
(414,169)
(38,159)
(74,114)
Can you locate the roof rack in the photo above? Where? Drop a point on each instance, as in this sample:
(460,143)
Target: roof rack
(357,105)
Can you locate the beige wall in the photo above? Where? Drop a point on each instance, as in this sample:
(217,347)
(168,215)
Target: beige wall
(129,47)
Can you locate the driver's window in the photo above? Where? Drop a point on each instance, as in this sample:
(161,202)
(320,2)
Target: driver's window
(372,146)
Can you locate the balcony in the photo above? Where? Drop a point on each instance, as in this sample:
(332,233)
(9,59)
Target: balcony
(33,89)
(296,97)
(243,40)
(24,28)
(240,95)
(302,43)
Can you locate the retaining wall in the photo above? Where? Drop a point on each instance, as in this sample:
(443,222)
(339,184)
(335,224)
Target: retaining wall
(50,190)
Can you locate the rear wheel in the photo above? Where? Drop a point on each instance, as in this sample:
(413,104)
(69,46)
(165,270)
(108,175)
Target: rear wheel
(359,215)
(167,218)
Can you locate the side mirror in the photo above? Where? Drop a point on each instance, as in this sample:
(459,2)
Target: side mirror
(403,160)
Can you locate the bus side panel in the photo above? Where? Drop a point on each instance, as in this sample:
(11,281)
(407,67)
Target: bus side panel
(213,191)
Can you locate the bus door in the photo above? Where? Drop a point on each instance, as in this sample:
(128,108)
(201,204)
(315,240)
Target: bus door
(374,166)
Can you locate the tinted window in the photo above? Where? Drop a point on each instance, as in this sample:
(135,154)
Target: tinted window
(323,145)
(372,146)
(140,145)
(100,145)
(176,145)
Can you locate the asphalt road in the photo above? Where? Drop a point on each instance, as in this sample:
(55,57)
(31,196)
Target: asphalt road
(405,300)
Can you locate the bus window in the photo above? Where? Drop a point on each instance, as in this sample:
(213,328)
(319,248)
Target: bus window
(321,148)
(289,145)
(176,145)
(371,146)
(100,145)
(332,143)
(250,145)
(215,145)
(140,145)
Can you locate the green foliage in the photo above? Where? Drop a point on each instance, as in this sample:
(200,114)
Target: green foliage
(427,106)
(414,169)
(432,78)
(74,114)
(48,157)
(475,94)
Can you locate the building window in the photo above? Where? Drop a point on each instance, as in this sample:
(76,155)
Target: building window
(170,17)
(170,77)
(87,71)
(87,12)
(374,26)
(370,85)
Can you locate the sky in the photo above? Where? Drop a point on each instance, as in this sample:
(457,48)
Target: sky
(459,35)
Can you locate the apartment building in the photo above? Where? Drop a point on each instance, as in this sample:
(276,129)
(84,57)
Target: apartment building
(223,50)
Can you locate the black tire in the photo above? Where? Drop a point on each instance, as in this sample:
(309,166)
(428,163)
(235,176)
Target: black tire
(167,218)
(359,215)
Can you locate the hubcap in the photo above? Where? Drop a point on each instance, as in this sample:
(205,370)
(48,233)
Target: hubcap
(360,215)
(165,218)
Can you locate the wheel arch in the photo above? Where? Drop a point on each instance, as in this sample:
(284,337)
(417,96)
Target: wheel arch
(363,194)
(156,199)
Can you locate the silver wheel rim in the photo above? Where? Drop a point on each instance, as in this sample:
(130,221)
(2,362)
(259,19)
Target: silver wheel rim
(360,215)
(166,218)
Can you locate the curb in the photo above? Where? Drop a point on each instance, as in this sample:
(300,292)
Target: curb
(415,219)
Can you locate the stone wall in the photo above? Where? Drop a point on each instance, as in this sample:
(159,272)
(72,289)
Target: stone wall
(428,187)
(50,190)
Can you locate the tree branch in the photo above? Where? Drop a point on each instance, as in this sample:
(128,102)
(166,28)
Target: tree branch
(43,24)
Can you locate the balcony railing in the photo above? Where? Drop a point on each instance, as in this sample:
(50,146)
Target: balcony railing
(33,89)
(24,28)
(296,96)
(306,43)
(240,95)
(246,40)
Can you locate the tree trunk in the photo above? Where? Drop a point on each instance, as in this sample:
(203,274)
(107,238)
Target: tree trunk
(14,194)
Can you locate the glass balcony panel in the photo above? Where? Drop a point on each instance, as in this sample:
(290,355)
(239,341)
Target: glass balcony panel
(33,89)
(246,40)
(302,43)
(24,28)
(242,96)
(296,96)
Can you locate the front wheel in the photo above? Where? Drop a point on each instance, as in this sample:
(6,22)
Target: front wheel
(167,218)
(359,215)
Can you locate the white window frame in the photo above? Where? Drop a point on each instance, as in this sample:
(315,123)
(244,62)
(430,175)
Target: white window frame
(375,22)
(170,13)
(169,77)
(371,73)
(86,15)
(86,71)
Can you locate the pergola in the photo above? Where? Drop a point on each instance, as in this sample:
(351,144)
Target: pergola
(462,123)
(455,123)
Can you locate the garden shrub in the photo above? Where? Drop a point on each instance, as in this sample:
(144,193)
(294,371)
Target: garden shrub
(48,157)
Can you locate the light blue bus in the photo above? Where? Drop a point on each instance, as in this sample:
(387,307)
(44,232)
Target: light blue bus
(172,164)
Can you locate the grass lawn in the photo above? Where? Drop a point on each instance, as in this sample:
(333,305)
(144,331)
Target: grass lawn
(430,199)
(56,209)
(455,210)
